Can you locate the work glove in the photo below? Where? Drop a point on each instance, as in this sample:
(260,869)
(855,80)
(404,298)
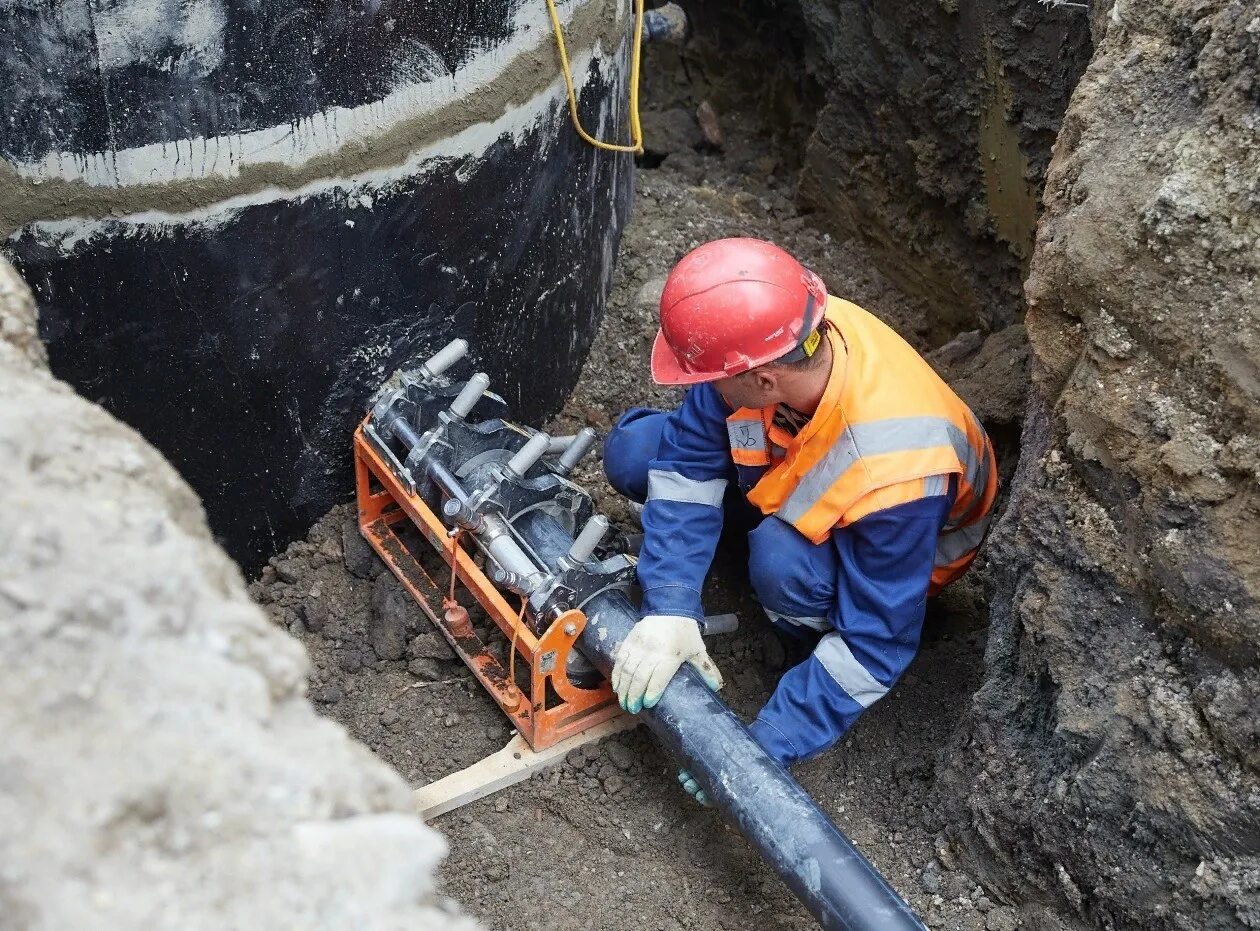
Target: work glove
(689,783)
(649,657)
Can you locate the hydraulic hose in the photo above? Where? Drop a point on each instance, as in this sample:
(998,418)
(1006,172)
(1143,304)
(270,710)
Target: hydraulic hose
(827,873)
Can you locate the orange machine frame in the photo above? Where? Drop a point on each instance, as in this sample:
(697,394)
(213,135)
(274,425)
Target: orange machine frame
(545,655)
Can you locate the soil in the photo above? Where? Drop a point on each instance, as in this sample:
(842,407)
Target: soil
(932,144)
(1113,767)
(608,839)
(161,765)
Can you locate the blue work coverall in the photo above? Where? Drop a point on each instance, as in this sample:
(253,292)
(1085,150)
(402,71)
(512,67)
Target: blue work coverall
(867,583)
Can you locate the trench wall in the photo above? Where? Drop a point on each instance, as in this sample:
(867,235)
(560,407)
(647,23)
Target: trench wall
(161,764)
(933,137)
(239,218)
(1108,775)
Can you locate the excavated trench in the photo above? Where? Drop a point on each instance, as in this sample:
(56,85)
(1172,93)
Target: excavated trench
(1074,747)
(608,839)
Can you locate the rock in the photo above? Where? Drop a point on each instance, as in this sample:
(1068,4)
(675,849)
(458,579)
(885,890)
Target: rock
(315,614)
(389,717)
(958,350)
(356,552)
(710,126)
(262,815)
(393,614)
(430,645)
(930,881)
(426,670)
(613,784)
(327,695)
(576,758)
(648,297)
(1001,919)
(990,375)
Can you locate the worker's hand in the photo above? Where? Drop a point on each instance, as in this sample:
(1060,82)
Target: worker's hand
(649,657)
(689,783)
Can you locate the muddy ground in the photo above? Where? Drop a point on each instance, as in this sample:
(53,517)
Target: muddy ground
(608,840)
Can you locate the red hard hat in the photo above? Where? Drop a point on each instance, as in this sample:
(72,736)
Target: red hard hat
(730,306)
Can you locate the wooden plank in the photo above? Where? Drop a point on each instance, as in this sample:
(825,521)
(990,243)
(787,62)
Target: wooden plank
(514,763)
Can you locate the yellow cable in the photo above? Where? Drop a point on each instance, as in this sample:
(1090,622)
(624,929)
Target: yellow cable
(636,130)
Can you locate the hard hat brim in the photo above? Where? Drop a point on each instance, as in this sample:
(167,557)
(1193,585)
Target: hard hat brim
(667,371)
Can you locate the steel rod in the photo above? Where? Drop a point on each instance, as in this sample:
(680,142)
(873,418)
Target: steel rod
(405,433)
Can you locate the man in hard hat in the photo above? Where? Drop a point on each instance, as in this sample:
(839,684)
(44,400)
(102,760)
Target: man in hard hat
(870,483)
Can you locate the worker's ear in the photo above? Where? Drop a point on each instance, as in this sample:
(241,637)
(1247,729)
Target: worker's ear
(766,379)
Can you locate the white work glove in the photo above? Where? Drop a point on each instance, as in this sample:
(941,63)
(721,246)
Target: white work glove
(649,657)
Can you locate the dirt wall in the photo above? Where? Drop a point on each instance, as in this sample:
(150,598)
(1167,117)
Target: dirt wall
(1109,770)
(161,766)
(932,143)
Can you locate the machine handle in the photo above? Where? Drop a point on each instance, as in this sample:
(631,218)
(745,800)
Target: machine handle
(469,395)
(719,624)
(445,357)
(528,454)
(580,446)
(558,444)
(583,547)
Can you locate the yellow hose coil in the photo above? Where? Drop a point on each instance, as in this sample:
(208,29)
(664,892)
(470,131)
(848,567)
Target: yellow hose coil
(636,130)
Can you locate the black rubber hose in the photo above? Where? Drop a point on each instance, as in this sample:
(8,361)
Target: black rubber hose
(835,882)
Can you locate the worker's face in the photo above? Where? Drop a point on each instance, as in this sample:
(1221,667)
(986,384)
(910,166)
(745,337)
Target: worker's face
(756,388)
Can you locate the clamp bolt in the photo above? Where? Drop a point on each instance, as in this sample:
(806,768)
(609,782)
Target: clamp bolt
(570,630)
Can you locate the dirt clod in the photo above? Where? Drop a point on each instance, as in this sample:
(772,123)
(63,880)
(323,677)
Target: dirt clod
(394,614)
(358,555)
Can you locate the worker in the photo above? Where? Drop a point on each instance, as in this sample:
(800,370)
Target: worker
(867,483)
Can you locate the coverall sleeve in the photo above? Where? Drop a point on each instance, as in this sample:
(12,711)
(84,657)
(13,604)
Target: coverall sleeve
(682,517)
(885,564)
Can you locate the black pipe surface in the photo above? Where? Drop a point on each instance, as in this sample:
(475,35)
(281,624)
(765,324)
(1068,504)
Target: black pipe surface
(827,873)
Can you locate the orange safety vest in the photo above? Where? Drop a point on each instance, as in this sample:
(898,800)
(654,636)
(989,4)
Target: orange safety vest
(885,418)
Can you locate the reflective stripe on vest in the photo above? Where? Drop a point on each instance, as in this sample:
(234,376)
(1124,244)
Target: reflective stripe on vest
(874,438)
(962,535)
(953,545)
(885,418)
(976,475)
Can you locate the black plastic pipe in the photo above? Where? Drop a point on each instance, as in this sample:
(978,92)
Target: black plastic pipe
(821,866)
